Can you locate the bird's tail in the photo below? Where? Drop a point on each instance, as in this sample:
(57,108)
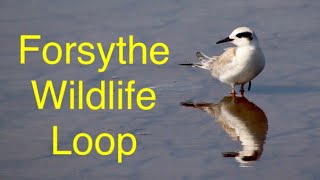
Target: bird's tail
(205,61)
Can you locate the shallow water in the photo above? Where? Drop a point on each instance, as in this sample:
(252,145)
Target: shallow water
(174,142)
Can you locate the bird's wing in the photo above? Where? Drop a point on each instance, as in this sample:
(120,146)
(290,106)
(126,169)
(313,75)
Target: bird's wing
(227,56)
(221,63)
(202,57)
(205,61)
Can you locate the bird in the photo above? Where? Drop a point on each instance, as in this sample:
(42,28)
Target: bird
(236,65)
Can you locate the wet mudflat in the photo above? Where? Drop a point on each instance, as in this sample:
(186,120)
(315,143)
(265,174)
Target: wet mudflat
(272,133)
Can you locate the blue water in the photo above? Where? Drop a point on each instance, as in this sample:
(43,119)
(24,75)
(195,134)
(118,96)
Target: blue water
(174,142)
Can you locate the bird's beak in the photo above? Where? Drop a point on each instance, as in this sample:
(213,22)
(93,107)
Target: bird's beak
(230,154)
(227,39)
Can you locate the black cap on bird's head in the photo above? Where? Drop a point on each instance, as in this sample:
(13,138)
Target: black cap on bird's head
(240,36)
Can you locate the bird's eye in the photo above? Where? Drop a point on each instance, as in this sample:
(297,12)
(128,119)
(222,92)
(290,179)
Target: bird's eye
(245,34)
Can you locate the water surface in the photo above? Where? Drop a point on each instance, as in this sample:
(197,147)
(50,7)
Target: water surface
(174,142)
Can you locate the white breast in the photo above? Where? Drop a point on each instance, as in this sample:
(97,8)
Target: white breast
(247,64)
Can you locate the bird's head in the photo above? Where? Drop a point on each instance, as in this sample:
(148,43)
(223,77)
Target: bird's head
(241,36)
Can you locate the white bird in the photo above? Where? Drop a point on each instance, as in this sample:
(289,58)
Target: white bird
(236,65)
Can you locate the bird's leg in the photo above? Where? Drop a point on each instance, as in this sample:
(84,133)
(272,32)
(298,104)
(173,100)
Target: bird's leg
(233,91)
(249,87)
(242,90)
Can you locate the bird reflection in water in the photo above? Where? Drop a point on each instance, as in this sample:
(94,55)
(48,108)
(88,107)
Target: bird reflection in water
(243,121)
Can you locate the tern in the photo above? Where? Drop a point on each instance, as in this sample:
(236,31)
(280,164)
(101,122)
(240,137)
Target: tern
(236,65)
